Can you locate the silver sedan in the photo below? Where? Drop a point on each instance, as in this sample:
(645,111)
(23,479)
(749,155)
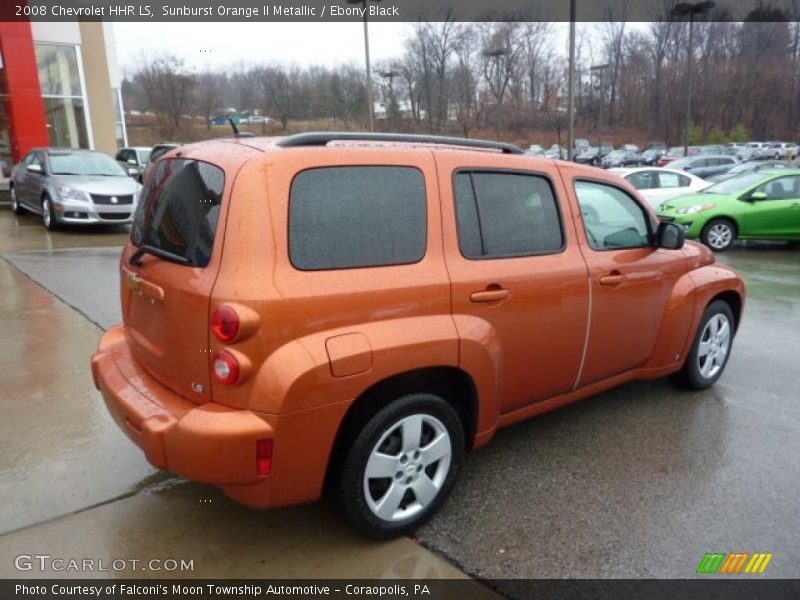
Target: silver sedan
(69,186)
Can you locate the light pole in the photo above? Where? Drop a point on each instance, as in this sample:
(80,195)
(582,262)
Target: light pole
(596,71)
(496,55)
(390,75)
(571,84)
(370,107)
(679,10)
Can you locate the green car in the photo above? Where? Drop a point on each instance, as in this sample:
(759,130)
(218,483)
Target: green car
(764,205)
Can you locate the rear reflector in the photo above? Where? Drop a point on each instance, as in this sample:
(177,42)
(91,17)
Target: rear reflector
(226,367)
(264,457)
(225,323)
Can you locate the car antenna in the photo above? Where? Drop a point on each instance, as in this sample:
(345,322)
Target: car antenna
(236,132)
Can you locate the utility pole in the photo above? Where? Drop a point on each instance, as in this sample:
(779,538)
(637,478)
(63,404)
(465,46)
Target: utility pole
(571,84)
(682,9)
(496,55)
(370,105)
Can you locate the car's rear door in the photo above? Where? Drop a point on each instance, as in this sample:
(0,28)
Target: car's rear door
(166,292)
(515,268)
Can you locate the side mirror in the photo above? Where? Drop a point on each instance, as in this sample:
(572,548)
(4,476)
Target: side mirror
(132,161)
(755,196)
(670,236)
(34,168)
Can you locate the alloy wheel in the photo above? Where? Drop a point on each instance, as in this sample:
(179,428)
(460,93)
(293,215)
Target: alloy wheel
(720,236)
(715,343)
(46,212)
(407,467)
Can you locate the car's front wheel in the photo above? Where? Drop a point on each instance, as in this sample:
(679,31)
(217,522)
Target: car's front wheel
(48,214)
(719,234)
(15,205)
(710,350)
(401,466)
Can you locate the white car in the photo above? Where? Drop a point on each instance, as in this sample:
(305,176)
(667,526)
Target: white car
(658,185)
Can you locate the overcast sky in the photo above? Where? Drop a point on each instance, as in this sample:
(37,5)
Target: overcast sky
(227,44)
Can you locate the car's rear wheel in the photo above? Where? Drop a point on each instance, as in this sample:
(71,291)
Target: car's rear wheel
(710,350)
(48,214)
(15,205)
(719,234)
(401,466)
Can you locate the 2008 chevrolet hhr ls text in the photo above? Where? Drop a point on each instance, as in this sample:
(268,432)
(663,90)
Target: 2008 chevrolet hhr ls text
(356,311)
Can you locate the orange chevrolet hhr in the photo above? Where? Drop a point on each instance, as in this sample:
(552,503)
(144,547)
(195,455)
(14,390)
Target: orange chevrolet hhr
(356,311)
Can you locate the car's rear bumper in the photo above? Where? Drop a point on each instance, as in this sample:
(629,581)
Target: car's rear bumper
(212,443)
(206,442)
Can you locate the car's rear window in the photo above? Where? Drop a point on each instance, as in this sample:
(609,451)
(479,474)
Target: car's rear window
(179,208)
(351,217)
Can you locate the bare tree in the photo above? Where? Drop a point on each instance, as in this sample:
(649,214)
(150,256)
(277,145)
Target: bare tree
(469,102)
(208,94)
(167,84)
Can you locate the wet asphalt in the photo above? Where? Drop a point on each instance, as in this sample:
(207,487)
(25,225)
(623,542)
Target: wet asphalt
(638,482)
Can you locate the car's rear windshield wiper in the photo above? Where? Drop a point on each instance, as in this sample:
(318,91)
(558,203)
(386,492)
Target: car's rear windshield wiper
(135,258)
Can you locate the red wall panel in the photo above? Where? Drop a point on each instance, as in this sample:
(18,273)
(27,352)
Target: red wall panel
(24,104)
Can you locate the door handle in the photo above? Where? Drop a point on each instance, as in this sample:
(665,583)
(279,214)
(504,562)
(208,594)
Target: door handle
(613,279)
(490,295)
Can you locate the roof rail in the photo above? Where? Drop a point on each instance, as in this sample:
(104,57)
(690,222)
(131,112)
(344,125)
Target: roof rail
(325,137)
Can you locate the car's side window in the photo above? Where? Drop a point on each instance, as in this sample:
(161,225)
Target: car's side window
(352,217)
(612,219)
(506,214)
(120,155)
(672,180)
(37,159)
(781,189)
(644,180)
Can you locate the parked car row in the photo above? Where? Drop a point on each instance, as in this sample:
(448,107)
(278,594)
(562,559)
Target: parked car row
(716,158)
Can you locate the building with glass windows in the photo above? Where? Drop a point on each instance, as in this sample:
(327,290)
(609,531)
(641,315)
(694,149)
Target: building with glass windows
(59,86)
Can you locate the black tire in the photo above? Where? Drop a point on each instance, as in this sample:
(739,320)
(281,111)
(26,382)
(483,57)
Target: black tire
(719,234)
(15,205)
(692,376)
(385,431)
(48,214)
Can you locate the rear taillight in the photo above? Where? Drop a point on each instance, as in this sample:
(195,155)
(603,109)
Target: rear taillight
(226,367)
(264,457)
(225,323)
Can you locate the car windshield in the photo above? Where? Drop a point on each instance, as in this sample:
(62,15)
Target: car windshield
(84,163)
(616,154)
(735,184)
(649,153)
(676,151)
(592,150)
(144,155)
